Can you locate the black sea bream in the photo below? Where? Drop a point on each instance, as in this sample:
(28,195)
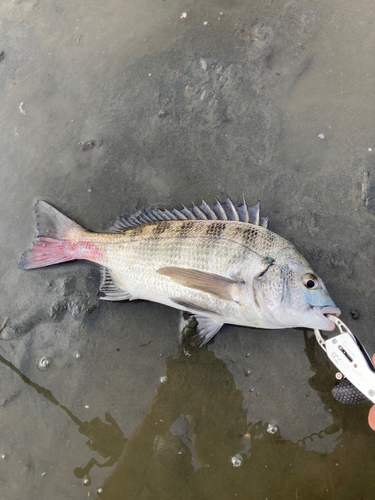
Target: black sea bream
(218,262)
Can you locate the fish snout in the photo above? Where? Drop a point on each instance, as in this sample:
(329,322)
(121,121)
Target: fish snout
(323,311)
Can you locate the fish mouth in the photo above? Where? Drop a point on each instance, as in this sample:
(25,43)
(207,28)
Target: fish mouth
(324,311)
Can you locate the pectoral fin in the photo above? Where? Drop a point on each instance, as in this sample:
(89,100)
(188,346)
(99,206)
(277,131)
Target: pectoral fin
(221,287)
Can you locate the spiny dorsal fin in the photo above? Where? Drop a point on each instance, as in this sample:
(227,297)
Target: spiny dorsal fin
(219,211)
(110,289)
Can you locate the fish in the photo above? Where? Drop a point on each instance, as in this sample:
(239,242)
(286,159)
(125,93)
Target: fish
(219,262)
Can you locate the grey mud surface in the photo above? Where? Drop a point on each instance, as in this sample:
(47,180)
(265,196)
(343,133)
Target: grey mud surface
(243,100)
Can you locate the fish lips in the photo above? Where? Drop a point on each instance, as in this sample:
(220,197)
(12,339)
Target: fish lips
(321,312)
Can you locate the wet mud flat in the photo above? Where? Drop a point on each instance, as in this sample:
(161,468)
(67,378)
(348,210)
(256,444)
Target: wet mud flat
(111,108)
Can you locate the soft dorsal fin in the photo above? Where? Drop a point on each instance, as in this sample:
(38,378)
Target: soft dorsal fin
(219,211)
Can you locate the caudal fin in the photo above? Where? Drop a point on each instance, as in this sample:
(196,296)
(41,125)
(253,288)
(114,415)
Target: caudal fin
(56,238)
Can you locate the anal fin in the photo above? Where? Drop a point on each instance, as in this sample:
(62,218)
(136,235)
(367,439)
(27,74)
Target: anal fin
(207,328)
(109,288)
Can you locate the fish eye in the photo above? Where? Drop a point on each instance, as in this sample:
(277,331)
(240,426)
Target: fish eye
(310,281)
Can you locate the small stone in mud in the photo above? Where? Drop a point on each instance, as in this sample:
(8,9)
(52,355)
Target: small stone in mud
(86,481)
(87,145)
(272,428)
(354,313)
(236,460)
(43,364)
(163,113)
(2,55)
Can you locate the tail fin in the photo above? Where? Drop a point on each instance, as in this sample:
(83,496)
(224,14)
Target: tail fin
(57,235)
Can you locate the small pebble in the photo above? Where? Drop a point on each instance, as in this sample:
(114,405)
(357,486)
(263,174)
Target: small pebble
(163,379)
(78,355)
(87,145)
(205,23)
(272,428)
(86,481)
(320,136)
(354,313)
(236,460)
(183,15)
(100,490)
(43,364)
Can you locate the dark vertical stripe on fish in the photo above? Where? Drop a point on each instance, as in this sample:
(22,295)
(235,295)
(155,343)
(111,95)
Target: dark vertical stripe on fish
(136,231)
(249,235)
(215,229)
(185,228)
(159,229)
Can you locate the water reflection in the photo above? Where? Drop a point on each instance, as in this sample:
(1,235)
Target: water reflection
(197,441)
(106,438)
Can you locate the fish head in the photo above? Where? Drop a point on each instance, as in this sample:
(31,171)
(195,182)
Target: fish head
(290,294)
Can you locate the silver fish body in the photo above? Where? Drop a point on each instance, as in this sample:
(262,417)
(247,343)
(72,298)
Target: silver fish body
(232,271)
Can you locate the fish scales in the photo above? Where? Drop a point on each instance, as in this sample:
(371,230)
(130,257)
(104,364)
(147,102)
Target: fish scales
(213,247)
(218,247)
(208,260)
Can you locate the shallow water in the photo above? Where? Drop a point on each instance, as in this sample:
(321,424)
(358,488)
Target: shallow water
(274,99)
